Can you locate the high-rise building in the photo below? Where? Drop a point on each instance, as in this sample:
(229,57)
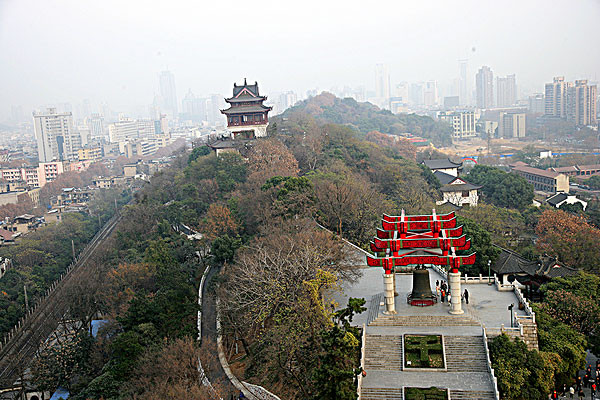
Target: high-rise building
(401,91)
(463,90)
(430,94)
(382,85)
(572,101)
(581,103)
(122,130)
(536,103)
(417,94)
(95,123)
(168,92)
(484,86)
(511,125)
(556,98)
(56,137)
(506,90)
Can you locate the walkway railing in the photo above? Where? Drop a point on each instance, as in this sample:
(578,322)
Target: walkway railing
(362,360)
(489,365)
(528,310)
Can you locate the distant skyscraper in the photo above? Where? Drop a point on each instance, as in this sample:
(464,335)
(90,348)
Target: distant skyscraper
(168,92)
(382,85)
(95,123)
(575,102)
(401,91)
(55,135)
(556,98)
(506,89)
(484,82)
(536,103)
(463,92)
(430,94)
(417,94)
(581,103)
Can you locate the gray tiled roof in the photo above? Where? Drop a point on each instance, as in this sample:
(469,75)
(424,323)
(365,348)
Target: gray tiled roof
(441,164)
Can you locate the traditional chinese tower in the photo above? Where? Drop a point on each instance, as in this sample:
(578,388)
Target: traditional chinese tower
(420,240)
(247,116)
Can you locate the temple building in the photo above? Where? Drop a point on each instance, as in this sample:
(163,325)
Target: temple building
(247,116)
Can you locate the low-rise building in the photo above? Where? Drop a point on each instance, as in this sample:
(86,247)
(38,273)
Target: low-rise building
(456,190)
(443,165)
(559,199)
(463,123)
(578,170)
(91,154)
(543,180)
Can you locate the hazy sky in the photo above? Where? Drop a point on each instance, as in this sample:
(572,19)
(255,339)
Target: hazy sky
(113,50)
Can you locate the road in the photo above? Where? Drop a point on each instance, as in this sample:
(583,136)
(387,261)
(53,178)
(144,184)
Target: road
(214,371)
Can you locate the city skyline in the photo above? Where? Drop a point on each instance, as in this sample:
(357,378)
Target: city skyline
(89,53)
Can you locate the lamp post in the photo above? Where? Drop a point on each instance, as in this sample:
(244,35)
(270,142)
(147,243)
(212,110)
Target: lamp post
(489,272)
(510,308)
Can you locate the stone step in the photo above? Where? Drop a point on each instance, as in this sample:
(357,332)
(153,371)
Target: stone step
(423,320)
(471,395)
(383,352)
(381,394)
(465,354)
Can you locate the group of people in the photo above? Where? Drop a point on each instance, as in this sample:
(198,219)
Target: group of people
(443,293)
(586,381)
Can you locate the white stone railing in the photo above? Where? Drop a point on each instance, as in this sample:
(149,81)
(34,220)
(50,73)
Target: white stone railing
(440,271)
(489,365)
(528,310)
(362,360)
(200,290)
(477,279)
(502,287)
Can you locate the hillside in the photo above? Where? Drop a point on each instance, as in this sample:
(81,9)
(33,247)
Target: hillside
(366,117)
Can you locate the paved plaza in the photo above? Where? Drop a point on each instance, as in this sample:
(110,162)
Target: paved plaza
(466,374)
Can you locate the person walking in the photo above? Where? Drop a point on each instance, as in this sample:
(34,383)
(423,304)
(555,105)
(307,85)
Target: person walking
(571,392)
(466,294)
(554,395)
(581,394)
(443,295)
(593,394)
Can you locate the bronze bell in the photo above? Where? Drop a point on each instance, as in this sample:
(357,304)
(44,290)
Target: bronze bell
(421,284)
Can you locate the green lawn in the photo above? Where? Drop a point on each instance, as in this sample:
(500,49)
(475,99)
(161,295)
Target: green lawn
(423,351)
(431,393)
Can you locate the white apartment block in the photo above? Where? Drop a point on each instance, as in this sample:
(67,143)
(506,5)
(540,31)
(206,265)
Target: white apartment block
(463,123)
(57,140)
(123,130)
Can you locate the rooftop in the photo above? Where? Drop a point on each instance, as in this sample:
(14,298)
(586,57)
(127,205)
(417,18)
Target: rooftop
(536,171)
(557,198)
(441,164)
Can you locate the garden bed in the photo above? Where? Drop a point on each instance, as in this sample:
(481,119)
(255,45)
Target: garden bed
(423,351)
(432,393)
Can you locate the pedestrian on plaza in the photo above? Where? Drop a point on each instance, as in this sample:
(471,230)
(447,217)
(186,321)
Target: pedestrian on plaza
(593,390)
(564,391)
(437,283)
(466,296)
(581,394)
(586,380)
(571,392)
(449,298)
(443,295)
(554,395)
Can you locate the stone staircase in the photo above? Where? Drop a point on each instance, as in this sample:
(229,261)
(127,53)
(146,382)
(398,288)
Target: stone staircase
(471,395)
(383,352)
(381,394)
(423,320)
(465,354)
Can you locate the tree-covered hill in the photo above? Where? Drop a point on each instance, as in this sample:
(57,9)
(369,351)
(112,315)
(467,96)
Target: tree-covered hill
(366,117)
